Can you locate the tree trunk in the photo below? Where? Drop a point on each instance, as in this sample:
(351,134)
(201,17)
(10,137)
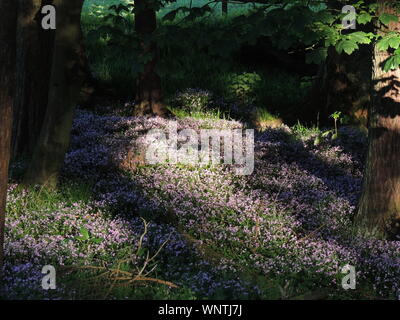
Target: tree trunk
(65,82)
(343,84)
(8,25)
(34,54)
(149,92)
(379,207)
(225,7)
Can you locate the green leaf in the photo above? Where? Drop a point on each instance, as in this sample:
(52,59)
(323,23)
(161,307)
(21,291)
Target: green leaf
(396,61)
(97,240)
(364,18)
(383,44)
(85,233)
(326,133)
(373,7)
(388,64)
(392,63)
(348,46)
(359,37)
(325,17)
(317,140)
(394,42)
(386,18)
(336,115)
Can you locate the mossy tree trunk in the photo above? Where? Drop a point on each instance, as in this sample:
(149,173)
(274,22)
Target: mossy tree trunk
(149,92)
(8,26)
(65,82)
(379,207)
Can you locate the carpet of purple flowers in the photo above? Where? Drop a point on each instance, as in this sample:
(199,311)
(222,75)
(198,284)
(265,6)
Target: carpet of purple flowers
(280,232)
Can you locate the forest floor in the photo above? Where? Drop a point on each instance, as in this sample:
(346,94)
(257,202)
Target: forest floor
(283,232)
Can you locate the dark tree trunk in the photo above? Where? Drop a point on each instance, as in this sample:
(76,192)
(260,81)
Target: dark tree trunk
(34,55)
(343,84)
(65,82)
(379,207)
(149,93)
(8,25)
(225,7)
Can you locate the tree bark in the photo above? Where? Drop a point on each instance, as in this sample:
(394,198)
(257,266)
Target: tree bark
(65,82)
(149,91)
(379,206)
(34,55)
(343,84)
(8,25)
(225,7)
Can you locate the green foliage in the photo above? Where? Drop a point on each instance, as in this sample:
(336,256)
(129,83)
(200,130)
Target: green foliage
(195,103)
(336,115)
(243,87)
(389,41)
(392,62)
(192,100)
(284,94)
(199,51)
(264,115)
(36,198)
(386,18)
(265,119)
(292,23)
(190,14)
(117,37)
(364,18)
(214,114)
(349,43)
(86,236)
(334,134)
(302,131)
(185,24)
(191,51)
